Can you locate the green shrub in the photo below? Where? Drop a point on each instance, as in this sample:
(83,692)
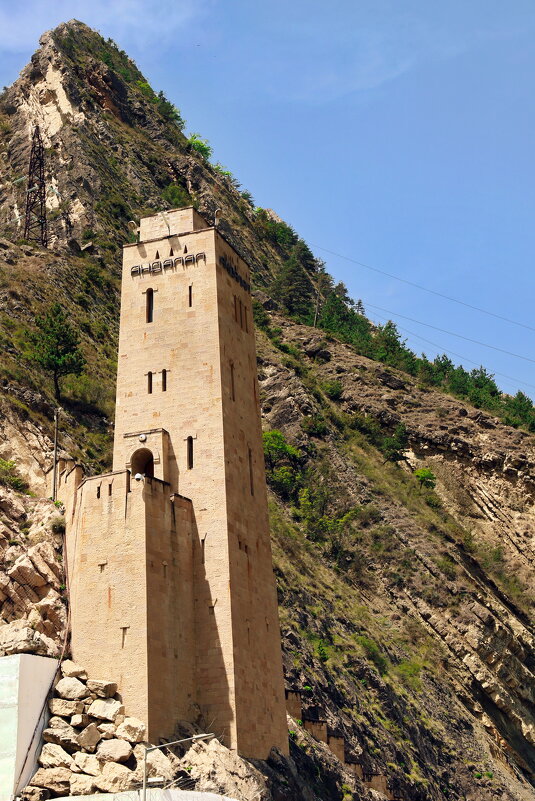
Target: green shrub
(283,480)
(57,524)
(176,196)
(447,566)
(426,478)
(314,426)
(276,449)
(333,389)
(9,476)
(373,652)
(409,672)
(393,447)
(146,90)
(433,501)
(260,317)
(200,145)
(322,652)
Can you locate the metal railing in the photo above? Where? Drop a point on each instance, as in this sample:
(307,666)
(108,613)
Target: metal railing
(167,745)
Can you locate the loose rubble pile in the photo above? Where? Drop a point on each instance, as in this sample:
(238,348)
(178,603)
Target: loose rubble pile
(90,744)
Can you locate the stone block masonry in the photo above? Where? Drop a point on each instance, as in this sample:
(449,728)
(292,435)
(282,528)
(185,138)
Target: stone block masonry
(169,556)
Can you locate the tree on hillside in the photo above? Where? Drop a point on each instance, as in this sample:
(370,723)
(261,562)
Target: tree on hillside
(293,288)
(426,478)
(54,346)
(394,447)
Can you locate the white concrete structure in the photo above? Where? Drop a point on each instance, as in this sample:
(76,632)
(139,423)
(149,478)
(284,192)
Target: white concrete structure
(25,681)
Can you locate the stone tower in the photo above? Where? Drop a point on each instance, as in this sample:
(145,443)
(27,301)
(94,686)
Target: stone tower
(171,580)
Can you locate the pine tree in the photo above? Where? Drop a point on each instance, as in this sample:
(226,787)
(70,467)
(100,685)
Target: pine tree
(54,346)
(293,288)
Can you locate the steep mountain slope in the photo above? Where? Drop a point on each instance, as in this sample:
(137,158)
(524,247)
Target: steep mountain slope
(407,612)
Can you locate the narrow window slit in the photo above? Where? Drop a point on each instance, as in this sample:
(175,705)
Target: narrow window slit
(190,295)
(251,482)
(149,300)
(232,384)
(164,380)
(190,452)
(149,383)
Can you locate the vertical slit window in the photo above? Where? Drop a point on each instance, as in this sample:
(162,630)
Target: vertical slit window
(251,482)
(149,305)
(190,295)
(189,449)
(232,384)
(164,380)
(149,383)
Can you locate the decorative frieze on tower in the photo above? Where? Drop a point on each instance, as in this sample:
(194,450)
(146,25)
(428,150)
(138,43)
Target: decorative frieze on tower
(172,586)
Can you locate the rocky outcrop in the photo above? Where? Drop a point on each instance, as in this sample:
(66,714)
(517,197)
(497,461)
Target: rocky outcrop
(33,613)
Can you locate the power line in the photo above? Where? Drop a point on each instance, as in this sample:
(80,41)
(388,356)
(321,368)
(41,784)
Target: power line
(452,333)
(458,355)
(426,289)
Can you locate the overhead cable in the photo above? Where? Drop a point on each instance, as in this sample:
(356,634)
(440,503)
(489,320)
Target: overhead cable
(458,355)
(452,333)
(426,289)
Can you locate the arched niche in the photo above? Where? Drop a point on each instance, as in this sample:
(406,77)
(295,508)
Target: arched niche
(142,461)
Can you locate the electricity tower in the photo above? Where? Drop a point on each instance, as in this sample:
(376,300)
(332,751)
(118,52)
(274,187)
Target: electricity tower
(35,225)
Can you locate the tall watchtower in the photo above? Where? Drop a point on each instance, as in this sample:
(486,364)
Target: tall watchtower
(171,551)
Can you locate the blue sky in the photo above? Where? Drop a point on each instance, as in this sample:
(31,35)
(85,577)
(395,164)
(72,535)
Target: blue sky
(398,134)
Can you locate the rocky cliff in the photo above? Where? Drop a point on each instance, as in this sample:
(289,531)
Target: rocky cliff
(406,610)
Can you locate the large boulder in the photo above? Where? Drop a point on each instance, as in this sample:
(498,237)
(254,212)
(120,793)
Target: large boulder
(107,730)
(54,756)
(113,751)
(59,732)
(132,729)
(71,670)
(25,572)
(71,689)
(104,689)
(115,778)
(89,737)
(34,794)
(11,505)
(82,785)
(58,780)
(59,706)
(157,763)
(105,709)
(80,721)
(88,763)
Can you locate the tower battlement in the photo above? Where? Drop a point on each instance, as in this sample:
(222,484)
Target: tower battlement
(172,587)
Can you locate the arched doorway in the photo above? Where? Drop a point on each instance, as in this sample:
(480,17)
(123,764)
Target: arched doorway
(142,461)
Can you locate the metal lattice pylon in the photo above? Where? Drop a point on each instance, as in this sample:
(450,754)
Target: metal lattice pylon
(35,225)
